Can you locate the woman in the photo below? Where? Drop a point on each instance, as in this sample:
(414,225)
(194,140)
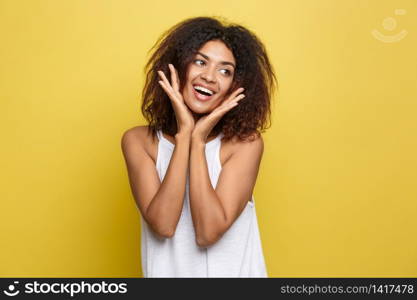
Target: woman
(192,170)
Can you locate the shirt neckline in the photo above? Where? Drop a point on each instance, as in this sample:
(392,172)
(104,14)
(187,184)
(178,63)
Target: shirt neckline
(161,134)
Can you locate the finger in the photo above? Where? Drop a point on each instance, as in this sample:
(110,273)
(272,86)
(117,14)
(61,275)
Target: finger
(224,108)
(178,77)
(237,92)
(236,101)
(233,100)
(178,80)
(234,94)
(174,95)
(167,90)
(164,79)
(240,97)
(162,84)
(174,77)
(175,80)
(214,117)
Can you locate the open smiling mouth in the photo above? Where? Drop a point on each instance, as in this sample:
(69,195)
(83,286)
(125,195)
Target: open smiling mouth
(202,93)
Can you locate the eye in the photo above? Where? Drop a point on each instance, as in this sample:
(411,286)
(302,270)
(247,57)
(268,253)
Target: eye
(199,62)
(226,72)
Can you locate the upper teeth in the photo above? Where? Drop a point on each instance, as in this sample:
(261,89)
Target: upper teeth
(197,87)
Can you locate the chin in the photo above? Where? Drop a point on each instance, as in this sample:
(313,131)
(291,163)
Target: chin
(198,109)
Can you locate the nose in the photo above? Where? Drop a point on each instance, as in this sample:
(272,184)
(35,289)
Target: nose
(209,75)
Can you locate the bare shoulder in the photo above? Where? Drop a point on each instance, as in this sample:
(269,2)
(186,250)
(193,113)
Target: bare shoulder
(236,148)
(254,143)
(135,136)
(139,137)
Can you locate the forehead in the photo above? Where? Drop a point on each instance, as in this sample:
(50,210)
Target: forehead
(217,51)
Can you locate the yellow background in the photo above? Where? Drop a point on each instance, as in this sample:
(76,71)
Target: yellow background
(336,193)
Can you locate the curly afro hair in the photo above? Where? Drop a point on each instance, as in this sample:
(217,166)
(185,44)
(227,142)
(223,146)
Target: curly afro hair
(254,71)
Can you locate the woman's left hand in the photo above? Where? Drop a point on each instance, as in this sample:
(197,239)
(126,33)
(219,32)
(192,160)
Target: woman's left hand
(206,123)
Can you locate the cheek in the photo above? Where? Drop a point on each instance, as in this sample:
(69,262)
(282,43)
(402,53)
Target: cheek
(192,73)
(188,80)
(226,88)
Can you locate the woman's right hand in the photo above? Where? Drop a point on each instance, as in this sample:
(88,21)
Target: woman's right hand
(184,117)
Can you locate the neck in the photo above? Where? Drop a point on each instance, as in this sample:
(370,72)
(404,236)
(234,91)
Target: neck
(196,116)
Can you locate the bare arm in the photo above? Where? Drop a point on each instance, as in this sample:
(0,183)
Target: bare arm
(160,203)
(214,211)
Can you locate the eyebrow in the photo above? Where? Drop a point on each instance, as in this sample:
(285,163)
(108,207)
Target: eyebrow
(222,62)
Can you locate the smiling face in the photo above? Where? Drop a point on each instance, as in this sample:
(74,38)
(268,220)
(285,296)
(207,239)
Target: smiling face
(209,77)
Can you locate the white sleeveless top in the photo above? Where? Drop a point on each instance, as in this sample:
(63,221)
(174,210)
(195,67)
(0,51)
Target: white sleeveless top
(238,253)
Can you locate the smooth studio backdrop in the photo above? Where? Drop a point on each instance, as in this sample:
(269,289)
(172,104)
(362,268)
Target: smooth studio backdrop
(336,193)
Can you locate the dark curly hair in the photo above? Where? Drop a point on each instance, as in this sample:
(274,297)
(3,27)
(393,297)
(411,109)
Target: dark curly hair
(254,72)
